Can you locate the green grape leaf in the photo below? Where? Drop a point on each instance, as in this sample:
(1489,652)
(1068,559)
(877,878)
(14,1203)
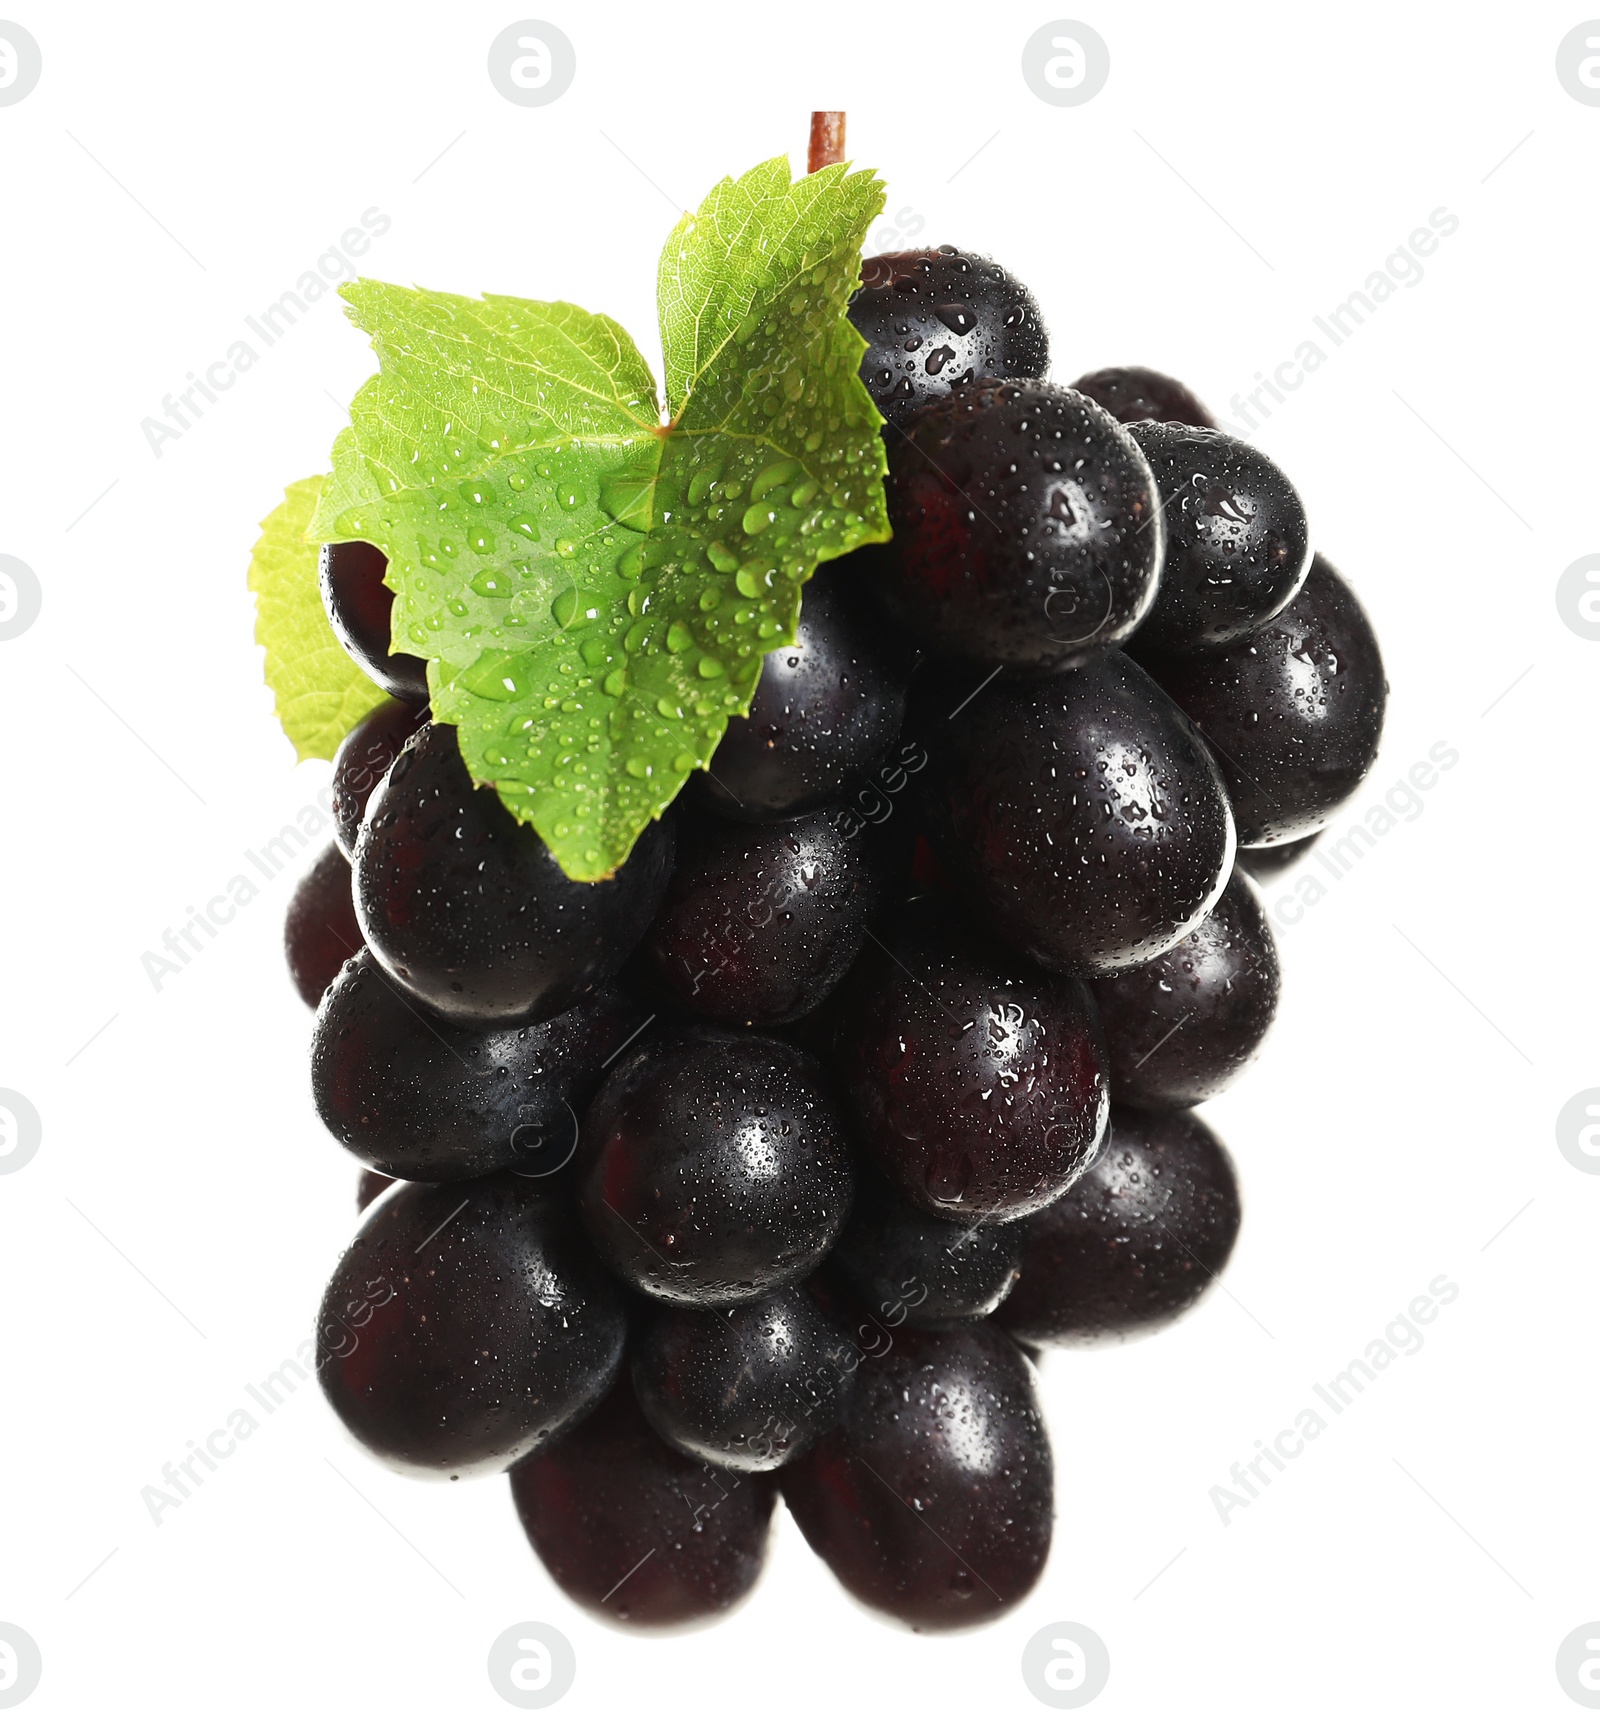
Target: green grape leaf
(321,693)
(594,581)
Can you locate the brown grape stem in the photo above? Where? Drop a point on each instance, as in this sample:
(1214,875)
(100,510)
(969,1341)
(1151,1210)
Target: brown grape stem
(827,139)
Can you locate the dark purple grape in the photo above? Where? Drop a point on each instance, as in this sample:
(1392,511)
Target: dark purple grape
(749,1387)
(636,1532)
(1184,1026)
(939,318)
(933,1499)
(1134,1243)
(712,1167)
(320,933)
(1027,529)
(761,922)
(1142,394)
(1266,864)
(907,1265)
(976,1083)
(1295,714)
(417,1098)
(1237,543)
(468,908)
(363,760)
(466,1325)
(1080,816)
(826,709)
(359,604)
(369,1187)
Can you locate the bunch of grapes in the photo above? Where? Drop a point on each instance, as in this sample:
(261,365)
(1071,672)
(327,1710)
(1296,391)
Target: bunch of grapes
(767,1164)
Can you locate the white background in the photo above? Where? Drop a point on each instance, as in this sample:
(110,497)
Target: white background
(1245,168)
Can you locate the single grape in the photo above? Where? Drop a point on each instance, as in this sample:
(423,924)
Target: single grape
(976,1083)
(1142,394)
(363,760)
(1027,529)
(1134,1243)
(369,1187)
(908,1265)
(417,1098)
(712,1167)
(636,1532)
(320,933)
(761,922)
(1184,1026)
(1237,543)
(1295,714)
(359,605)
(748,1387)
(933,1498)
(940,318)
(466,1325)
(1266,864)
(826,709)
(469,909)
(1080,816)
